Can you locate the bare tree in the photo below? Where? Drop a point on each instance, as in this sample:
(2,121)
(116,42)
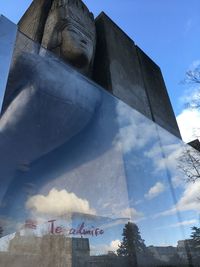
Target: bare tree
(193,77)
(189,163)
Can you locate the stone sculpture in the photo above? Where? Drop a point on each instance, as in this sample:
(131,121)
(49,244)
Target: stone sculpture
(70,33)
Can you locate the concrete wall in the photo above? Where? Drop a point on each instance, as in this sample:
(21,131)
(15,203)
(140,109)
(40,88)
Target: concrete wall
(159,101)
(117,67)
(33,21)
(126,71)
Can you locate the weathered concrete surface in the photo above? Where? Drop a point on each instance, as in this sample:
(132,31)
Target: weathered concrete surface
(70,33)
(159,101)
(124,70)
(65,27)
(195,144)
(33,21)
(117,67)
(46,251)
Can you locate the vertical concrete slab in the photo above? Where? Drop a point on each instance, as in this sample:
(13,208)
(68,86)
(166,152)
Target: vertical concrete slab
(159,101)
(116,66)
(195,144)
(8,32)
(33,21)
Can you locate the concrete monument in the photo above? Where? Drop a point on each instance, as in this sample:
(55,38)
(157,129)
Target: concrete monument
(67,28)
(70,33)
(127,72)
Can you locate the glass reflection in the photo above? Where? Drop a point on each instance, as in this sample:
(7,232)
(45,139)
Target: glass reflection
(86,180)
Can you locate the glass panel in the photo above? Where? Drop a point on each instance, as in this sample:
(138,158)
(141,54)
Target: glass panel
(8,31)
(85,179)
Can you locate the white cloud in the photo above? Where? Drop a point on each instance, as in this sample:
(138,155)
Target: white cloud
(135,129)
(194,64)
(188,25)
(104,248)
(189,222)
(132,214)
(155,190)
(166,156)
(179,224)
(114,245)
(189,124)
(190,201)
(58,203)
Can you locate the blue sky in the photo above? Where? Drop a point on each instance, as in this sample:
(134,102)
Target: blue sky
(167,30)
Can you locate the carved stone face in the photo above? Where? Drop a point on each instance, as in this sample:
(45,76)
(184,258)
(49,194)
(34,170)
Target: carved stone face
(70,33)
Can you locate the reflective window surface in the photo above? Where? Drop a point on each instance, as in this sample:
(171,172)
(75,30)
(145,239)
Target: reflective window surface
(85,179)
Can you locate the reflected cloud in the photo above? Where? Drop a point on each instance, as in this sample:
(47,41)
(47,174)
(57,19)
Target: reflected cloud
(132,214)
(190,201)
(131,127)
(179,224)
(105,248)
(189,222)
(166,157)
(155,190)
(58,203)
(114,222)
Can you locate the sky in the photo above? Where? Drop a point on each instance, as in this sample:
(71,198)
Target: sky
(167,30)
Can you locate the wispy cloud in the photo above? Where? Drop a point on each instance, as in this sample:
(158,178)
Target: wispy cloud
(155,190)
(132,214)
(188,25)
(132,124)
(194,64)
(189,222)
(105,248)
(179,224)
(189,201)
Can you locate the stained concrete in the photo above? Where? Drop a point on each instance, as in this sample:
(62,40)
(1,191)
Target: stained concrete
(195,144)
(117,67)
(33,21)
(159,101)
(128,73)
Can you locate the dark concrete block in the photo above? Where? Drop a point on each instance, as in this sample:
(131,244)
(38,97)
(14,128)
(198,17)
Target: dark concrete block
(33,21)
(123,69)
(117,67)
(159,101)
(195,144)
